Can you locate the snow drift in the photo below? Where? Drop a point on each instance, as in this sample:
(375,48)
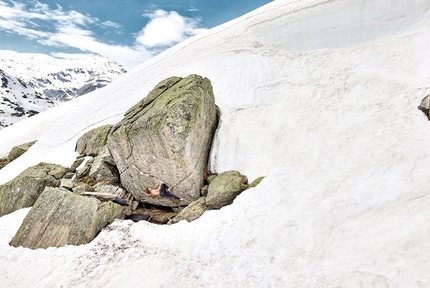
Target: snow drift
(318,96)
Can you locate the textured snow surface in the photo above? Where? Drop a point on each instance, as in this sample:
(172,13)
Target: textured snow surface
(318,96)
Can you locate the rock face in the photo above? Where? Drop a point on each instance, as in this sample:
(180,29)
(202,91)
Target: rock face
(224,189)
(60,218)
(24,189)
(166,137)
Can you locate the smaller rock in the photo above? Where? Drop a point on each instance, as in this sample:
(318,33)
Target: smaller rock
(60,218)
(112,189)
(103,168)
(424,106)
(84,171)
(77,162)
(19,150)
(211,177)
(93,141)
(225,188)
(256,182)
(134,205)
(67,184)
(100,196)
(83,188)
(24,189)
(204,191)
(69,175)
(4,161)
(192,212)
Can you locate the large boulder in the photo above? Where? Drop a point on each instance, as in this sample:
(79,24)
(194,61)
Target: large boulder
(93,141)
(60,218)
(19,150)
(224,188)
(166,137)
(24,189)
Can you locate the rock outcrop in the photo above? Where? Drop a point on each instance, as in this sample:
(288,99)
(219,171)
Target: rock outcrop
(60,217)
(23,190)
(166,137)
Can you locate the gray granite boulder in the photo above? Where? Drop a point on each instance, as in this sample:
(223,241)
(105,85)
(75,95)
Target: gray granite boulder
(166,137)
(23,190)
(60,218)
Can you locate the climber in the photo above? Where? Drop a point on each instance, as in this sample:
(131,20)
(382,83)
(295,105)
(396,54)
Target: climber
(162,190)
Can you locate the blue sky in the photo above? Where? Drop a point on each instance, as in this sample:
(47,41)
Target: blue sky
(127,31)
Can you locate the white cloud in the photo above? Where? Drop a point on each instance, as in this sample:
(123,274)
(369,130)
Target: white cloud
(71,29)
(167,28)
(110,24)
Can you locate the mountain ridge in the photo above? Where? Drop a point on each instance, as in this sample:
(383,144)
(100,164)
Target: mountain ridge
(19,101)
(60,79)
(48,81)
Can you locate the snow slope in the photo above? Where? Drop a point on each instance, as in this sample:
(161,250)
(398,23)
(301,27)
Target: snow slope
(320,97)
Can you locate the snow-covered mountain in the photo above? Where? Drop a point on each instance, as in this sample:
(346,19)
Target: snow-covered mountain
(18,101)
(60,79)
(318,96)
